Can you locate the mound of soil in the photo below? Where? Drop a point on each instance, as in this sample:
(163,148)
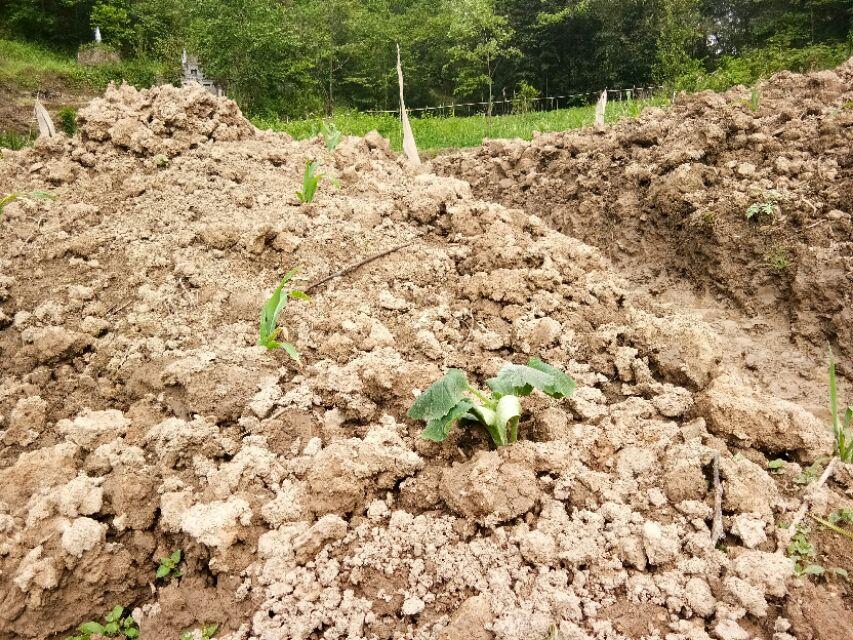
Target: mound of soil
(139,417)
(666,197)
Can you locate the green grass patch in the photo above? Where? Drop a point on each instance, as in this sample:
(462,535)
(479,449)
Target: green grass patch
(27,66)
(14,140)
(432,133)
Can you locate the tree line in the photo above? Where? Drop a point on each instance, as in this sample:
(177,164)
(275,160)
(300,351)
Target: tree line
(293,57)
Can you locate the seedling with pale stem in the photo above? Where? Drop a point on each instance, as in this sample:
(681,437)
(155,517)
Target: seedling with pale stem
(169,566)
(841,421)
(310,182)
(117,623)
(269,331)
(452,399)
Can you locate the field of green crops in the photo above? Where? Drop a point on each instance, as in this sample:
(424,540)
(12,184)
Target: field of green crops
(433,133)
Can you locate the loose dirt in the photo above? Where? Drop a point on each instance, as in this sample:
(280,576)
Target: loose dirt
(138,417)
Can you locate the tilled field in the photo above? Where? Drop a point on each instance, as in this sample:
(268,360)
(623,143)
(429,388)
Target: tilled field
(138,417)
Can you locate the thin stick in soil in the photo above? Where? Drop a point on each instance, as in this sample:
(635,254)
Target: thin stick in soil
(353,267)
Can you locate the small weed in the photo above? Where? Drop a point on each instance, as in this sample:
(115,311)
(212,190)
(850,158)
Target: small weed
(269,331)
(169,566)
(161,161)
(754,99)
(811,473)
(777,258)
(207,632)
(8,198)
(310,182)
(801,551)
(841,422)
(331,135)
(766,206)
(117,622)
(68,120)
(841,516)
(14,140)
(776,465)
(451,399)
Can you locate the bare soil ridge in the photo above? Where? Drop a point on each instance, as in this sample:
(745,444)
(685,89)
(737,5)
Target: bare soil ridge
(138,417)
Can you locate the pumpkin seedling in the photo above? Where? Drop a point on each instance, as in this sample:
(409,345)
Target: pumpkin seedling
(117,622)
(169,566)
(272,309)
(452,399)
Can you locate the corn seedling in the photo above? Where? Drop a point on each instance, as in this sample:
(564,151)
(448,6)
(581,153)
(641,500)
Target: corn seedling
(8,198)
(767,206)
(207,633)
(452,399)
(841,422)
(169,567)
(269,329)
(310,182)
(754,99)
(117,622)
(331,135)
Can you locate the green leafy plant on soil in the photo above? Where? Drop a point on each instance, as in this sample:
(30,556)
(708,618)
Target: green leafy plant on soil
(802,552)
(207,632)
(841,421)
(331,135)
(766,206)
(777,258)
(269,330)
(117,623)
(310,182)
(452,399)
(776,465)
(161,161)
(8,198)
(169,566)
(810,473)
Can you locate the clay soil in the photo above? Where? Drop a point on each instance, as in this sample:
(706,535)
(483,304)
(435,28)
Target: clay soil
(138,416)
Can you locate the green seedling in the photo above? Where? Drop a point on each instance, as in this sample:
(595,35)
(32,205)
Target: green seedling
(777,258)
(331,135)
(269,329)
(207,632)
(801,551)
(452,399)
(841,516)
(169,567)
(841,421)
(8,198)
(810,473)
(767,206)
(161,161)
(310,182)
(754,99)
(776,465)
(117,623)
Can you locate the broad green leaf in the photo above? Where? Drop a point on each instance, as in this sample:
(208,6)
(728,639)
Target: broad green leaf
(162,571)
(840,572)
(88,628)
(507,414)
(115,614)
(562,386)
(175,557)
(209,630)
(133,632)
(489,419)
(775,464)
(441,397)
(111,628)
(439,428)
(813,570)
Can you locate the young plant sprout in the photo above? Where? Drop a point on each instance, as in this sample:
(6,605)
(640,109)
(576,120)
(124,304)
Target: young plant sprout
(452,399)
(331,135)
(169,566)
(269,331)
(8,198)
(842,421)
(310,182)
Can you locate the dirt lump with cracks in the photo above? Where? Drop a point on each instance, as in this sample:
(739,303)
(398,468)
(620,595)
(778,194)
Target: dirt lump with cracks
(139,417)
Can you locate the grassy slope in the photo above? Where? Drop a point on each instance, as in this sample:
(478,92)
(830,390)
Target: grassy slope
(467,131)
(27,66)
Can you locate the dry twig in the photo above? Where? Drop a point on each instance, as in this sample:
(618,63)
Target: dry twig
(355,266)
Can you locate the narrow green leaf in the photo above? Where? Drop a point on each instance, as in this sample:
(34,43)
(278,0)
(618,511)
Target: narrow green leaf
(290,350)
(441,397)
(299,295)
(439,428)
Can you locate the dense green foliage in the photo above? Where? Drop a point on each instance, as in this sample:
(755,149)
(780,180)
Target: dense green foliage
(301,56)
